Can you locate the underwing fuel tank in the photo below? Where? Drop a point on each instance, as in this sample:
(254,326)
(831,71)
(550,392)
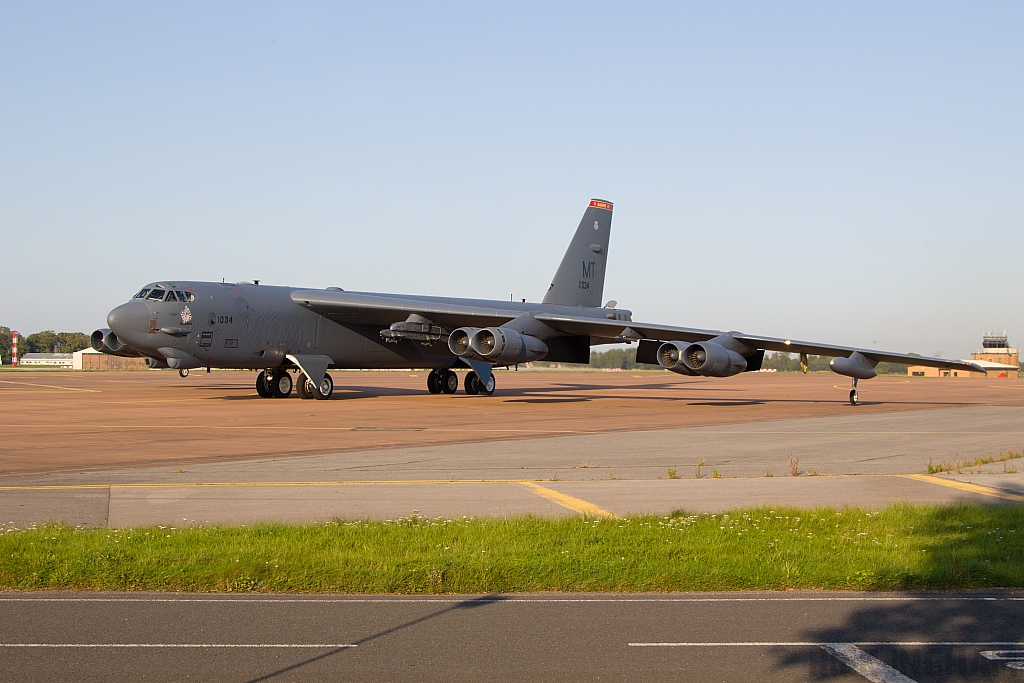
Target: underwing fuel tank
(857,365)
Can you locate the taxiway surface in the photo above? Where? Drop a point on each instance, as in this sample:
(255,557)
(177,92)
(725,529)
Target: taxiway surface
(205,450)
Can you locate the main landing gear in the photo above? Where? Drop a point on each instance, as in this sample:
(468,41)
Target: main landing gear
(278,384)
(475,385)
(854,400)
(447,382)
(307,389)
(442,382)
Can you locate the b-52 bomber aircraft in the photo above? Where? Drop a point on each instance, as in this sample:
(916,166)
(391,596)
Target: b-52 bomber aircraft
(285,330)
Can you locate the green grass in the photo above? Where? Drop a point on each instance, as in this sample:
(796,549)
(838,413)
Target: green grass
(899,547)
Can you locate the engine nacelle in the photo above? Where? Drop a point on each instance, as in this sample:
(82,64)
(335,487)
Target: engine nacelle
(505,346)
(105,341)
(704,358)
(96,339)
(459,341)
(857,365)
(155,364)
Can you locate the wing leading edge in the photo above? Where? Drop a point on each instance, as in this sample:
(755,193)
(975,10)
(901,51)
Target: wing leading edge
(621,330)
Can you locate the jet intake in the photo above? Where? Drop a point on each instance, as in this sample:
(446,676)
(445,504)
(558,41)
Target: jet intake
(459,342)
(505,346)
(704,358)
(96,340)
(106,341)
(857,365)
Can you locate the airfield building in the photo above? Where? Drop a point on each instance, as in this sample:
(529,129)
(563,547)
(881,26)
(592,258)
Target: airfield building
(996,355)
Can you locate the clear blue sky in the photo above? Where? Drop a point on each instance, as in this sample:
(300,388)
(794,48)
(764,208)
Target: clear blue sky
(841,172)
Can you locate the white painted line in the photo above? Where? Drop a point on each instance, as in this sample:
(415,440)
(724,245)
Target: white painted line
(871,668)
(210,646)
(499,598)
(806,643)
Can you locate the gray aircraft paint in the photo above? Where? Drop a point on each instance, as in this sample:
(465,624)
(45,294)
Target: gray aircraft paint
(261,327)
(579,280)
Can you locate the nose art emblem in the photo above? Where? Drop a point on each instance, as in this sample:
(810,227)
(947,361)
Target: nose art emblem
(186,316)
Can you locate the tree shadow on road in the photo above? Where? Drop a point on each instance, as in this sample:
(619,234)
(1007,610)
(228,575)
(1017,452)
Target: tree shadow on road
(972,546)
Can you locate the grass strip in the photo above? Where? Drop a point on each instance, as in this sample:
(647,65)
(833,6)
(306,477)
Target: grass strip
(899,547)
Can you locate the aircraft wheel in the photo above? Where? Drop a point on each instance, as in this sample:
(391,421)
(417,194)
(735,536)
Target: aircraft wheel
(472,383)
(449,382)
(281,384)
(304,387)
(854,399)
(326,388)
(434,382)
(183,372)
(261,385)
(487,388)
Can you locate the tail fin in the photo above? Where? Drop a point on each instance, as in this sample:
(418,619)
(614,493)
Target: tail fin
(579,280)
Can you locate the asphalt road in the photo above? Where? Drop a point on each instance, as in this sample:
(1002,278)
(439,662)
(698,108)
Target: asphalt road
(796,636)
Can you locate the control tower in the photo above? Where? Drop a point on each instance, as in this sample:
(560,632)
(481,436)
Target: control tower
(996,356)
(995,348)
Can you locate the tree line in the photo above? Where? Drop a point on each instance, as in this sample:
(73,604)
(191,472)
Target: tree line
(46,341)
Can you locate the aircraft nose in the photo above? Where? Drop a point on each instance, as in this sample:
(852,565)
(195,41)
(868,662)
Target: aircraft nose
(129,320)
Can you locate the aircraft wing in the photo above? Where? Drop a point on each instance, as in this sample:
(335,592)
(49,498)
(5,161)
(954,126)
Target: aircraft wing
(623,330)
(357,308)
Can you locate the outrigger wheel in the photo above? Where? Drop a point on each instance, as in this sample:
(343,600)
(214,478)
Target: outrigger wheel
(853,393)
(183,372)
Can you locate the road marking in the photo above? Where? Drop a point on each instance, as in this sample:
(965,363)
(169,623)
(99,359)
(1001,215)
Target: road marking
(805,643)
(50,386)
(211,646)
(574,504)
(871,668)
(965,486)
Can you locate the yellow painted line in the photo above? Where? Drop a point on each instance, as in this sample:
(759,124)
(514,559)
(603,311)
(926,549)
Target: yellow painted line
(965,486)
(269,484)
(574,504)
(49,386)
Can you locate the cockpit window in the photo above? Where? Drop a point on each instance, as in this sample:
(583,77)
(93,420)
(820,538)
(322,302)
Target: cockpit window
(185,296)
(141,295)
(156,295)
(171,297)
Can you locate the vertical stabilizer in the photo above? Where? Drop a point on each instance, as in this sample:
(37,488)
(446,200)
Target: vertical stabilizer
(579,280)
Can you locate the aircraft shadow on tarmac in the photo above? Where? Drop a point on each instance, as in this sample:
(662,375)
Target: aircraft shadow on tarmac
(694,392)
(469,603)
